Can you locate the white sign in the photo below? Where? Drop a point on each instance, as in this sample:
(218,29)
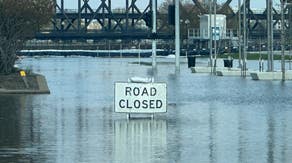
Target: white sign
(216,33)
(140,97)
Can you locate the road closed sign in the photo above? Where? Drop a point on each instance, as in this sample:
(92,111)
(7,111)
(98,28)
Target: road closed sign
(140,97)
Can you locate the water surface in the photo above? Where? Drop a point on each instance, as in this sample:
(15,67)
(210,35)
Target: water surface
(209,118)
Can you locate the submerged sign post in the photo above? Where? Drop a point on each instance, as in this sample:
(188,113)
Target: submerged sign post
(140,97)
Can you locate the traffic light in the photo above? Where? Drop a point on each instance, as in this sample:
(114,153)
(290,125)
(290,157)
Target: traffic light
(148,19)
(171,15)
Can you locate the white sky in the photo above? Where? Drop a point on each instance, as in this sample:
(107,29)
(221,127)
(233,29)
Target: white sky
(72,4)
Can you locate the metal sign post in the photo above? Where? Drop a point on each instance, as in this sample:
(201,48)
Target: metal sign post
(154,43)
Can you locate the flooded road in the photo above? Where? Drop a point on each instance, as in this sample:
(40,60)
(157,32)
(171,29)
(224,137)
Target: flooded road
(209,118)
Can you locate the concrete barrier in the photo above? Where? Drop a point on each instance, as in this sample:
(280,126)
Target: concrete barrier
(13,84)
(277,75)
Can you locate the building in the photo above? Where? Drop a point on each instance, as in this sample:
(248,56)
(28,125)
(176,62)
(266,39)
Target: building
(218,30)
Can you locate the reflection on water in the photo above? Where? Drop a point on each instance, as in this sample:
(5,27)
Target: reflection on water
(14,123)
(140,141)
(209,119)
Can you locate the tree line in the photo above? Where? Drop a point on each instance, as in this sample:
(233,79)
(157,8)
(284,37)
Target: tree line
(19,19)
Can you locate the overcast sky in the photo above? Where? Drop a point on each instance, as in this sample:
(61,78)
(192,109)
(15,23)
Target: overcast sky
(72,4)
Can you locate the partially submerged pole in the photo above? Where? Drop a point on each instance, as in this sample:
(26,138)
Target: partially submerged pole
(139,53)
(270,35)
(215,36)
(210,35)
(177,36)
(282,41)
(239,36)
(244,40)
(154,43)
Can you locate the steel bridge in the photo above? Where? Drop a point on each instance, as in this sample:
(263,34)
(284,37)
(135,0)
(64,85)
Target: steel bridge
(103,22)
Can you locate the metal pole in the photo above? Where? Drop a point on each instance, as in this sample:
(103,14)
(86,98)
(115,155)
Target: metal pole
(215,38)
(79,15)
(154,44)
(139,53)
(239,36)
(177,36)
(210,34)
(270,35)
(62,11)
(110,20)
(244,39)
(62,6)
(127,14)
(282,41)
(260,58)
(121,49)
(187,36)
(109,48)
(55,12)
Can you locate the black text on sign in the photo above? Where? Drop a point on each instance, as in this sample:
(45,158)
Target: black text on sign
(140,97)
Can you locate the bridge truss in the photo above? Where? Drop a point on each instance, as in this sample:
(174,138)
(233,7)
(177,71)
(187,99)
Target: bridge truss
(103,22)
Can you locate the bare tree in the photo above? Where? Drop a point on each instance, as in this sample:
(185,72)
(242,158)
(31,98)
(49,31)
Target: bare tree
(187,14)
(19,20)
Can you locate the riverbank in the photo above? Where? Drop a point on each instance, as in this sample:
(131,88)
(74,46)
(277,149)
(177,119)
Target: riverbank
(29,84)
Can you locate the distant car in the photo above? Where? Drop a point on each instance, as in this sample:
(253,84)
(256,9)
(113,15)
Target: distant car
(204,51)
(183,52)
(234,50)
(193,52)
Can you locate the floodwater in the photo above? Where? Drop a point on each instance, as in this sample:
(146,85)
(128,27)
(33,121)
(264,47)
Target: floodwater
(209,119)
